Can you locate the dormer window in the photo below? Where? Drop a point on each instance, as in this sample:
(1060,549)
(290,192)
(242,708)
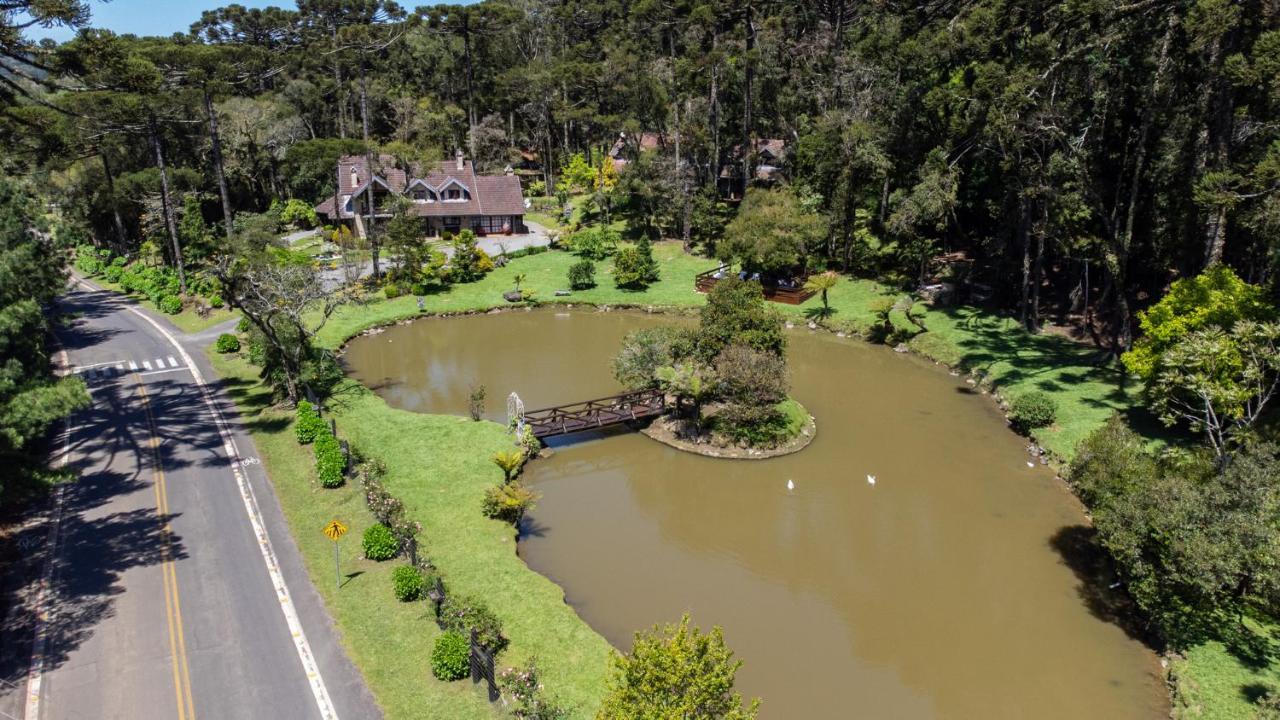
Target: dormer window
(420,195)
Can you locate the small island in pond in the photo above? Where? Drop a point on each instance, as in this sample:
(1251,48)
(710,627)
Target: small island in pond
(727,378)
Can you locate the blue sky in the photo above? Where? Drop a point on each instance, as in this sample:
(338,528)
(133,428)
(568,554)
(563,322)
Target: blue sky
(148,17)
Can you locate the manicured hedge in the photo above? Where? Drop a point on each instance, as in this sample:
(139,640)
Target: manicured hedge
(330,463)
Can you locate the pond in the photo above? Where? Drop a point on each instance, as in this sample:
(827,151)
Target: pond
(949,588)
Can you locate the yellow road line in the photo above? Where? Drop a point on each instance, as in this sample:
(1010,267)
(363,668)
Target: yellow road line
(173,608)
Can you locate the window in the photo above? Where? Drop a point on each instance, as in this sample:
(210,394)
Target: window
(420,194)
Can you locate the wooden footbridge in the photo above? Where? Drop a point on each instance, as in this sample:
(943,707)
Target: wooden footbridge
(594,414)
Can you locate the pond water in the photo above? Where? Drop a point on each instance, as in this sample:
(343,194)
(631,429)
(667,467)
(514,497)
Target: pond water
(944,590)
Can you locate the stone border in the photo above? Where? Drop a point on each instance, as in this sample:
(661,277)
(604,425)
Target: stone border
(658,430)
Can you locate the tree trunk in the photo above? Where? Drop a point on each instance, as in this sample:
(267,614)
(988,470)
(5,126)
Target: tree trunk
(115,207)
(471,104)
(1116,258)
(340,97)
(368,156)
(749,76)
(1024,238)
(166,205)
(215,146)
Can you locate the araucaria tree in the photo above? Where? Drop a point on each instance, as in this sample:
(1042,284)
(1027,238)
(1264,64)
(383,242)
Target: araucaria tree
(676,671)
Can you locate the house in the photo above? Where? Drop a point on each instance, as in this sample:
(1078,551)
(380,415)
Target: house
(622,147)
(449,196)
(768,161)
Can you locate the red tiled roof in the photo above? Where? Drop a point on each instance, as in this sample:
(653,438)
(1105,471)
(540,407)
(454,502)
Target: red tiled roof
(489,194)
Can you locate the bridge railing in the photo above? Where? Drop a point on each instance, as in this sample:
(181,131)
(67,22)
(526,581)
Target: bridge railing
(600,412)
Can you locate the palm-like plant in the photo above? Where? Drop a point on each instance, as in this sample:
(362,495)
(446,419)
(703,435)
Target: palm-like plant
(823,282)
(688,381)
(509,461)
(519,278)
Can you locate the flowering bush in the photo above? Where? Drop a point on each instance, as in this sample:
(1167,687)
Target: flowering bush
(525,691)
(462,614)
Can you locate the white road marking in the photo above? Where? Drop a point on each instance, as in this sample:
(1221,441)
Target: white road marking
(120,367)
(162,372)
(133,366)
(35,670)
(159,362)
(309,666)
(146,364)
(172,363)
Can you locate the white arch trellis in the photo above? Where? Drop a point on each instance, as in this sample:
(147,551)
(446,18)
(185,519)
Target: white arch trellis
(515,414)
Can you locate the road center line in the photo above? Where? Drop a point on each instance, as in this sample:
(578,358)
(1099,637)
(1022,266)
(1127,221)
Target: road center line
(309,666)
(173,606)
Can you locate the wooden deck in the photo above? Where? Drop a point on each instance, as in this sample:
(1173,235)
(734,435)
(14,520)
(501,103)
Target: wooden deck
(593,414)
(704,281)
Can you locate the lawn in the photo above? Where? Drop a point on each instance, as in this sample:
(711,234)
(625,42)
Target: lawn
(545,273)
(439,467)
(1221,682)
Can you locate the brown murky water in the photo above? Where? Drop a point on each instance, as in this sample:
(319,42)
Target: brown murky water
(937,592)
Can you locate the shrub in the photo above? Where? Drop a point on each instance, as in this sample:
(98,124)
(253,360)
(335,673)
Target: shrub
(752,383)
(451,657)
(1033,410)
(462,614)
(595,243)
(508,502)
(635,267)
(243,325)
(509,462)
(391,290)
(309,423)
(114,271)
(300,213)
(408,583)
(379,543)
(227,343)
(475,402)
(91,260)
(528,702)
(647,349)
(330,463)
(582,274)
(170,304)
(216,301)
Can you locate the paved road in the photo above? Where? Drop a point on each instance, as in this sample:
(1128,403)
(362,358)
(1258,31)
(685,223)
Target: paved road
(162,604)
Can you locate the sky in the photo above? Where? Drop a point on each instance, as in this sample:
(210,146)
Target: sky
(148,17)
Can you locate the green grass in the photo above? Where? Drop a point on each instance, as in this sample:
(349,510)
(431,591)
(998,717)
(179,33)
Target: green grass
(545,273)
(796,415)
(439,466)
(1219,682)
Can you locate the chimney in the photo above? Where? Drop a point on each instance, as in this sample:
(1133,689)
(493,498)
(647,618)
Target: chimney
(458,156)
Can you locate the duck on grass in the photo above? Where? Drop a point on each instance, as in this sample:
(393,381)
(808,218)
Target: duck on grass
(727,377)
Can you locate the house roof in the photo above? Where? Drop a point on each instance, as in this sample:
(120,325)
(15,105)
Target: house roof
(490,194)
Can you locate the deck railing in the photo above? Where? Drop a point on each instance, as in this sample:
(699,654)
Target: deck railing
(704,281)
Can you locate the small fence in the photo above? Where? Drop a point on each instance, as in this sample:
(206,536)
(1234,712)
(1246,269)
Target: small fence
(796,295)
